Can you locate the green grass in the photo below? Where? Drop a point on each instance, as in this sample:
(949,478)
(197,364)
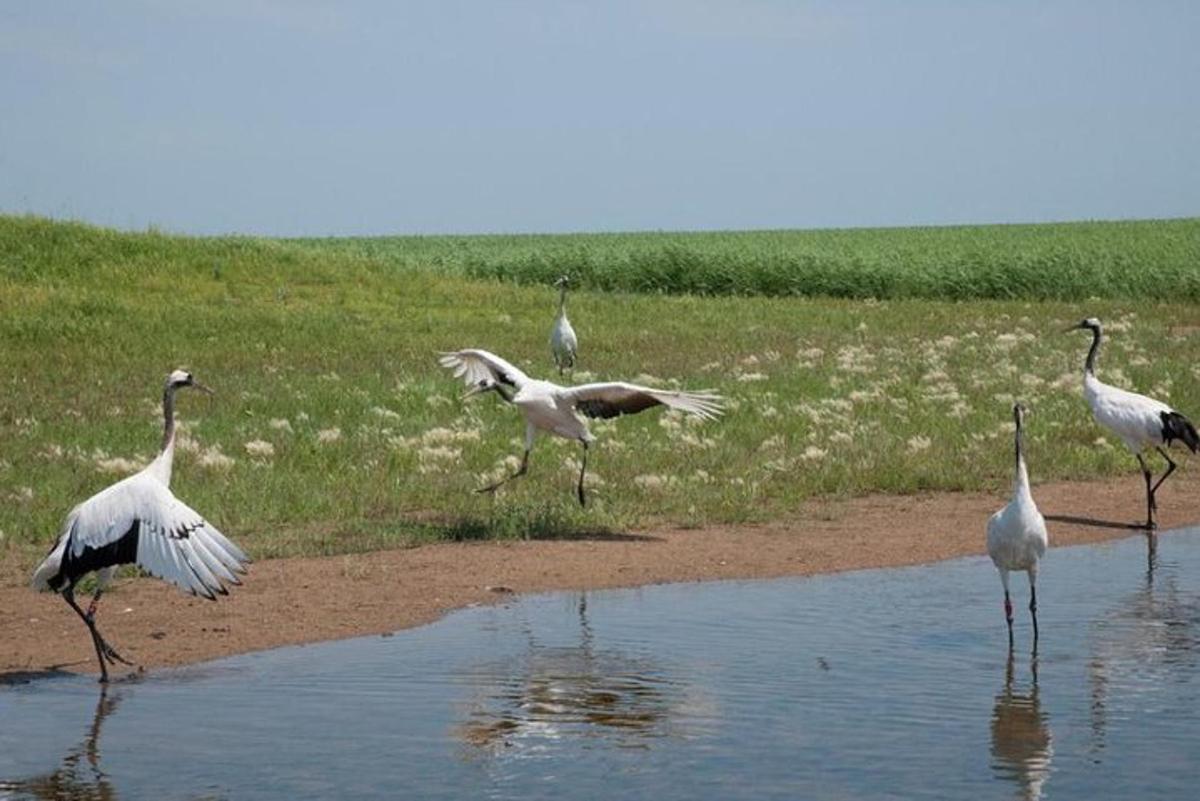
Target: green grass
(1152,259)
(828,397)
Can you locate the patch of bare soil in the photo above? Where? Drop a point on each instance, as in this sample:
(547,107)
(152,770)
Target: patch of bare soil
(304,600)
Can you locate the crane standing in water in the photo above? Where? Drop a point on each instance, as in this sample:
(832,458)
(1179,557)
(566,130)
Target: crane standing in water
(139,521)
(1016,535)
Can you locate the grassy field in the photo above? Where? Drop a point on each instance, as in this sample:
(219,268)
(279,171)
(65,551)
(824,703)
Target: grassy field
(334,429)
(1152,259)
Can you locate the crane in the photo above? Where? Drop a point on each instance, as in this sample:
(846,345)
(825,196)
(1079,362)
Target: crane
(139,521)
(1138,421)
(555,409)
(1016,535)
(563,344)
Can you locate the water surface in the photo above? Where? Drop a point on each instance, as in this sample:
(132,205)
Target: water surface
(874,684)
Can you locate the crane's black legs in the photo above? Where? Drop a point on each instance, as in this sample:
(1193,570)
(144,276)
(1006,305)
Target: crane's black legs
(1150,505)
(582,470)
(1033,612)
(1170,469)
(1008,616)
(103,649)
(520,472)
(1151,490)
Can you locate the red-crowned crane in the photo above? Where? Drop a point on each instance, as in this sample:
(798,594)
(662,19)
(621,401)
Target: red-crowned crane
(563,344)
(555,409)
(1016,535)
(1138,421)
(139,521)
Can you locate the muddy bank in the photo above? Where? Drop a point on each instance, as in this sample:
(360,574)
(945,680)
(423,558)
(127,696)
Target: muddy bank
(302,600)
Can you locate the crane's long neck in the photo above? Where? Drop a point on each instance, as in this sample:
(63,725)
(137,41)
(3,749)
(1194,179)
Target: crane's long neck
(1089,367)
(562,301)
(1020,474)
(161,466)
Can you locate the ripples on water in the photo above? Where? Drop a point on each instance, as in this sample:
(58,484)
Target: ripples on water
(878,684)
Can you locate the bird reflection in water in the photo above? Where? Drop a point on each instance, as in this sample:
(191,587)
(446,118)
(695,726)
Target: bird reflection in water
(1022,746)
(1147,641)
(78,777)
(580,691)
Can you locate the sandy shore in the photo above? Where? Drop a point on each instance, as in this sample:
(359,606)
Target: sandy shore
(303,600)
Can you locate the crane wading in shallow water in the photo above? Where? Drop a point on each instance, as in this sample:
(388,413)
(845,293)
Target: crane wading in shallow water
(551,408)
(1139,422)
(1016,535)
(563,343)
(138,520)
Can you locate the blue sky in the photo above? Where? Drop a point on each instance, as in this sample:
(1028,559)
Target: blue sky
(307,117)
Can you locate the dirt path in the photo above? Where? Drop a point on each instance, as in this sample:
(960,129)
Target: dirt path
(302,600)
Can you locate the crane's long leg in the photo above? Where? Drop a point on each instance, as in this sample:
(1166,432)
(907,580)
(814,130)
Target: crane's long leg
(109,651)
(1008,616)
(1033,606)
(520,472)
(1008,610)
(1170,469)
(1150,506)
(103,649)
(582,470)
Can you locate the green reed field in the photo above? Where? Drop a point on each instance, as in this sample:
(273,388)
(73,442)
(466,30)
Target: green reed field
(1153,259)
(335,431)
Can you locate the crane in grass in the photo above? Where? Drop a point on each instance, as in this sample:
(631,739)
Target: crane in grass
(139,521)
(555,409)
(563,344)
(1138,421)
(1016,535)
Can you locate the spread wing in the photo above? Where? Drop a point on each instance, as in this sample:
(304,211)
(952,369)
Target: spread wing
(140,520)
(617,398)
(473,366)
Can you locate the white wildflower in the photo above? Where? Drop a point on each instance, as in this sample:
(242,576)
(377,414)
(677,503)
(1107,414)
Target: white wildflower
(118,464)
(652,482)
(918,443)
(213,458)
(328,435)
(281,424)
(258,447)
(812,453)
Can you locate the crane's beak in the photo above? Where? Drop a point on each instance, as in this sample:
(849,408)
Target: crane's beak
(1071,328)
(475,390)
(202,388)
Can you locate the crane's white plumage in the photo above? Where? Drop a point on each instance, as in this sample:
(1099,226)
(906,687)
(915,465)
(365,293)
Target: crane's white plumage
(163,535)
(556,409)
(139,521)
(1137,420)
(563,343)
(1016,535)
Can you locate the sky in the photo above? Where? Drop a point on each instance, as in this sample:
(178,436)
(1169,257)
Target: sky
(360,117)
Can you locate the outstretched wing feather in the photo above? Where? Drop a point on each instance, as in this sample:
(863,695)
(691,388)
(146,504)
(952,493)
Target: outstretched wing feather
(616,398)
(474,365)
(174,542)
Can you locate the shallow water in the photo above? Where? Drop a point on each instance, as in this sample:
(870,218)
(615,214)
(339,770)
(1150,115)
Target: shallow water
(875,684)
